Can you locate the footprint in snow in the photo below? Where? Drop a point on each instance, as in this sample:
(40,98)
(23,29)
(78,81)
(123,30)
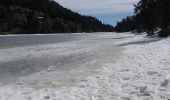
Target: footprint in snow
(166,81)
(152,72)
(143,90)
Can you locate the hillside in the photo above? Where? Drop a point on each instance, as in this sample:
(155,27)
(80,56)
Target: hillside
(44,16)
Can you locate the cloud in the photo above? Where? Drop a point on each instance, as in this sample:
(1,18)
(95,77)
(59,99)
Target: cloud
(108,11)
(98,7)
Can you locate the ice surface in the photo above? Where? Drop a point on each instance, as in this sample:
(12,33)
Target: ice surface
(91,69)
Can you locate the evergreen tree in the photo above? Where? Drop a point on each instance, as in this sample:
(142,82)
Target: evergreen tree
(148,14)
(44,16)
(164,6)
(127,24)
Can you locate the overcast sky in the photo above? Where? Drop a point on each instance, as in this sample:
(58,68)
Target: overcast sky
(91,7)
(108,11)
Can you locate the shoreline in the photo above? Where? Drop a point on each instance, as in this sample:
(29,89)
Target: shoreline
(52,34)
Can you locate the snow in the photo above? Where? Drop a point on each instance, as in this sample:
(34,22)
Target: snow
(108,67)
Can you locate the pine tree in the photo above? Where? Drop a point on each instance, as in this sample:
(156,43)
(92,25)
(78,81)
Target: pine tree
(164,6)
(44,16)
(148,14)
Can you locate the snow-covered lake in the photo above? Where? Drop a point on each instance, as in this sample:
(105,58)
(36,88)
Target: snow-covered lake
(7,41)
(98,66)
(66,57)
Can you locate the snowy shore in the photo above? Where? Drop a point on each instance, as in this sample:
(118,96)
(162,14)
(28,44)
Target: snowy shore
(113,67)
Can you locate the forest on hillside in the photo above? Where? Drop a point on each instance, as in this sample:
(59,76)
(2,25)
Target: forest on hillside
(150,16)
(44,16)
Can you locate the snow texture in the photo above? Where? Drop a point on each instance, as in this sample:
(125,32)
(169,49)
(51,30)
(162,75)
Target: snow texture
(110,67)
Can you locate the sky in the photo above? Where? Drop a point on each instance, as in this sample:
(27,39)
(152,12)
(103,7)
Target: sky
(108,11)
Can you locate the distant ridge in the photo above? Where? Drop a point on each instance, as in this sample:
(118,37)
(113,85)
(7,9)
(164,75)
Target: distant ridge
(44,16)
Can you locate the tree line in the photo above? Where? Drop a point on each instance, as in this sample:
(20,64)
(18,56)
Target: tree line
(150,16)
(44,16)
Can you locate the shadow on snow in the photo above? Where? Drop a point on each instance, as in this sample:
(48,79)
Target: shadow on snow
(140,42)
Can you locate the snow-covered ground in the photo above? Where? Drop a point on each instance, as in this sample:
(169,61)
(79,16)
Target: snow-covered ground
(103,67)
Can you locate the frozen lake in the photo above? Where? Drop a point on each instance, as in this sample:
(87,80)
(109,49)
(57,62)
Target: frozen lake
(27,40)
(99,66)
(63,58)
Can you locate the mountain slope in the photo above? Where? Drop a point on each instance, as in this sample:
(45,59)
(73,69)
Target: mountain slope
(44,16)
